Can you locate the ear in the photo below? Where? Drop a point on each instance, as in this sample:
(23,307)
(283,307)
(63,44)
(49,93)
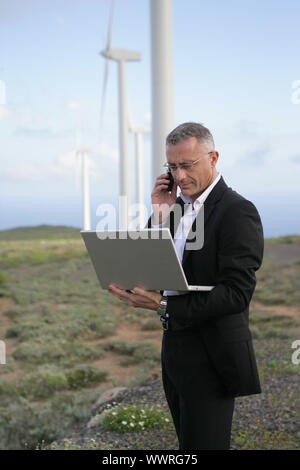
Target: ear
(214,158)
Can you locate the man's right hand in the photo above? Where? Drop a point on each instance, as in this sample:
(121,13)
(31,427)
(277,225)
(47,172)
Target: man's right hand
(162,200)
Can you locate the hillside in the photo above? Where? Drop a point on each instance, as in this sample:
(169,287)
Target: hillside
(40,232)
(68,342)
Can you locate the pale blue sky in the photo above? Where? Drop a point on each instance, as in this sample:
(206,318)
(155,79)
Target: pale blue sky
(234,65)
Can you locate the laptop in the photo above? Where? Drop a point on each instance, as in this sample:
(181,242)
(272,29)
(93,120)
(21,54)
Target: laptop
(144,258)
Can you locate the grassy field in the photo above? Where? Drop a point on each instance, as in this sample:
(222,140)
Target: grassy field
(67,340)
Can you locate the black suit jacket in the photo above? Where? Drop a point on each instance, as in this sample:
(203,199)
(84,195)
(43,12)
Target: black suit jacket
(231,253)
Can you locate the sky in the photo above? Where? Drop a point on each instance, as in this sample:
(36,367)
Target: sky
(236,70)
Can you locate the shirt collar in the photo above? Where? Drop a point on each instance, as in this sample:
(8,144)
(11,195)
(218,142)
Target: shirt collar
(200,200)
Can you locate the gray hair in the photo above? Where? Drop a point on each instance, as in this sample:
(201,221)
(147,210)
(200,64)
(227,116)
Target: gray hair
(189,129)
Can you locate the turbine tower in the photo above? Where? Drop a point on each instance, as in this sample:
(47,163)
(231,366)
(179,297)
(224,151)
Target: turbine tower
(121,56)
(86,213)
(162,81)
(85,190)
(138,131)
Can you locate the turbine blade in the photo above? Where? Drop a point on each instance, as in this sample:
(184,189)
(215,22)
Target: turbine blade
(105,77)
(78,139)
(104,92)
(77,170)
(110,25)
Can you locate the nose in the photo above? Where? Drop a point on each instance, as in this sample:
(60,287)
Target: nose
(180,173)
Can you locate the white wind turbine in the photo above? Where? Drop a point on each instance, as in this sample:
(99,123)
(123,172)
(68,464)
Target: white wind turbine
(83,152)
(121,56)
(162,80)
(138,131)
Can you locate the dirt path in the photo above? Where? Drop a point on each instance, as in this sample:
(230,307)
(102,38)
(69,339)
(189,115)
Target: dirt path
(6,323)
(125,330)
(132,333)
(272,311)
(10,343)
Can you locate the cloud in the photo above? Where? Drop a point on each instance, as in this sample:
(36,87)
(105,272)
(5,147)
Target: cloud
(60,20)
(262,164)
(148,117)
(33,133)
(40,132)
(4,112)
(15,9)
(69,165)
(244,144)
(72,104)
(66,167)
(256,156)
(245,127)
(108,151)
(295,159)
(23,172)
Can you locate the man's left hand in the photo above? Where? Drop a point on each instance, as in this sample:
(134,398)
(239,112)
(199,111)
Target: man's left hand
(138,297)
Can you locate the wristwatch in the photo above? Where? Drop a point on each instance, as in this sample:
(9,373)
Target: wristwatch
(162,311)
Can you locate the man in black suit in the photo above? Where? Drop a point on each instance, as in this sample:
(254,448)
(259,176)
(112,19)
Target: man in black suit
(207,353)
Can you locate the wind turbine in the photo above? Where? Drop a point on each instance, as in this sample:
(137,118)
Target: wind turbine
(138,131)
(121,56)
(82,152)
(162,80)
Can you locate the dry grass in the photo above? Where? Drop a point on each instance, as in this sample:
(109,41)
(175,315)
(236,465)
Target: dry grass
(53,313)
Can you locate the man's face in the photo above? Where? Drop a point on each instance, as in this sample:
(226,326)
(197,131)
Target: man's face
(195,180)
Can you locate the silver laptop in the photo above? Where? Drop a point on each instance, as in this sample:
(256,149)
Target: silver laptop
(129,258)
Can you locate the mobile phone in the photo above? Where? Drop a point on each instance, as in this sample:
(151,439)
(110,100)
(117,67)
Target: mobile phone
(170,186)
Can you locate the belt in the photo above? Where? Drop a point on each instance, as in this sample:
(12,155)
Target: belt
(165,321)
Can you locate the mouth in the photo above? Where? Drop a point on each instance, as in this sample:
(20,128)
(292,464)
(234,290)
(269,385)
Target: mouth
(185,185)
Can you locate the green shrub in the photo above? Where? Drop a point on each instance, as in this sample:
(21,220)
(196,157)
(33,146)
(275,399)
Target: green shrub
(13,313)
(272,331)
(124,418)
(62,322)
(13,332)
(4,290)
(2,278)
(36,253)
(120,346)
(25,425)
(278,284)
(85,376)
(281,366)
(147,352)
(139,352)
(42,383)
(151,324)
(51,350)
(6,388)
(47,380)
(10,366)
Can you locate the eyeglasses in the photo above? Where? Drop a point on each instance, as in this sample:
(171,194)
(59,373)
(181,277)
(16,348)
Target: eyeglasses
(184,165)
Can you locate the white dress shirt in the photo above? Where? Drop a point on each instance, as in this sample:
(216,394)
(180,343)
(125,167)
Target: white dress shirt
(186,222)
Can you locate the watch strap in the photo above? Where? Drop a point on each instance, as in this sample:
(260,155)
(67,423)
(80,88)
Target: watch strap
(162,311)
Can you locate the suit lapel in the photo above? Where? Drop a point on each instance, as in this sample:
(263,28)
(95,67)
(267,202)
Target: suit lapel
(200,221)
(172,221)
